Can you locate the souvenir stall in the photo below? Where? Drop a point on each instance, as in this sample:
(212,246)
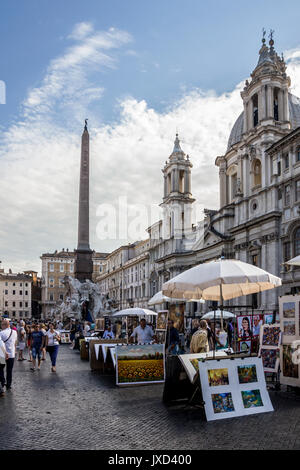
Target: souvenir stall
(227,385)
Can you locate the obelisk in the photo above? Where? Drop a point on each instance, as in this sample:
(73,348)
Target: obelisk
(83,254)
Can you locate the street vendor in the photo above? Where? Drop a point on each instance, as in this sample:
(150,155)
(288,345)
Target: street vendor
(143,332)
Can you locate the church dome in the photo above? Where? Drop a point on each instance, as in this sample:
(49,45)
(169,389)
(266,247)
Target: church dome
(238,128)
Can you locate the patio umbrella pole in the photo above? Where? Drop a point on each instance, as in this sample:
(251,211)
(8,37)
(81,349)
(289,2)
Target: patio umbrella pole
(221,306)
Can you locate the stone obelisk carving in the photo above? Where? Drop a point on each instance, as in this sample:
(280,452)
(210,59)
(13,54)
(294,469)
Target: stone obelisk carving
(83,254)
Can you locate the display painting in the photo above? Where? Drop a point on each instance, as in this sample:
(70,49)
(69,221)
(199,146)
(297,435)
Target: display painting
(244,325)
(247,374)
(271,335)
(162,320)
(217,377)
(161,337)
(251,398)
(140,364)
(270,359)
(288,310)
(289,369)
(222,402)
(176,313)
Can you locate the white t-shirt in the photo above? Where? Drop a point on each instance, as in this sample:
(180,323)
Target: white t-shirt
(10,344)
(51,340)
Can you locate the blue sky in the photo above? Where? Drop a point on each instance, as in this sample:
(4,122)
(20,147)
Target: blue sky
(139,70)
(178,44)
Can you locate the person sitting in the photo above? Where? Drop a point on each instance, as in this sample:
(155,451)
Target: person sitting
(199,342)
(108,333)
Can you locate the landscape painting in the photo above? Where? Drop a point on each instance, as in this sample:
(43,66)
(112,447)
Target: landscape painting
(251,398)
(247,374)
(139,364)
(222,402)
(288,309)
(289,328)
(217,377)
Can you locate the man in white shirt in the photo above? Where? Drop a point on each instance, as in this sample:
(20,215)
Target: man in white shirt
(143,332)
(108,334)
(9,338)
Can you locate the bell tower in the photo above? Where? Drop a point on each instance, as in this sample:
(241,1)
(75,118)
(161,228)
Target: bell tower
(177,198)
(266,98)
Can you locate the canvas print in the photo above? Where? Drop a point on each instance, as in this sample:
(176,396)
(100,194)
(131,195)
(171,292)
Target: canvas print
(257,322)
(251,398)
(245,346)
(289,328)
(288,310)
(140,364)
(100,324)
(217,377)
(270,359)
(222,402)
(288,368)
(244,324)
(247,374)
(176,313)
(162,320)
(268,318)
(161,336)
(271,335)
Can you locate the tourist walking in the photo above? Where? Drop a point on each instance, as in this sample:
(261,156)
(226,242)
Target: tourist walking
(43,330)
(21,340)
(172,339)
(9,338)
(2,362)
(37,344)
(52,345)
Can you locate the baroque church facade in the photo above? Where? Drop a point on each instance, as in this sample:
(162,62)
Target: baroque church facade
(258,220)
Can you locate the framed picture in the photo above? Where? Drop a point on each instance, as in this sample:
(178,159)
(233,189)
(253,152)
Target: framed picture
(270,359)
(176,313)
(140,364)
(190,362)
(161,336)
(162,320)
(257,322)
(289,365)
(268,318)
(100,324)
(270,336)
(233,387)
(289,318)
(244,326)
(245,346)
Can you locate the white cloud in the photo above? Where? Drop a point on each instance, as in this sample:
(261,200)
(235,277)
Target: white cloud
(39,156)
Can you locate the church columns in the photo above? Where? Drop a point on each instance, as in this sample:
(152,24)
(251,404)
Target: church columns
(286,114)
(246,173)
(245,117)
(270,101)
(165,186)
(280,106)
(222,177)
(250,114)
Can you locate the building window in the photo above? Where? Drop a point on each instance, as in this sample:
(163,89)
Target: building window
(51,267)
(276,114)
(6,303)
(26,304)
(279,168)
(61,268)
(51,282)
(26,292)
(14,292)
(297,242)
(255,110)
(255,260)
(14,304)
(51,297)
(286,161)
(297,191)
(287,195)
(21,292)
(6,292)
(61,296)
(20,304)
(6,283)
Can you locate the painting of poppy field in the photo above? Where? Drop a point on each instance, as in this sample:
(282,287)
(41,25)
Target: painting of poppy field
(140,364)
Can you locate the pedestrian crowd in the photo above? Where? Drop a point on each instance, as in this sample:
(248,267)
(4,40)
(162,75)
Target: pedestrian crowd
(20,338)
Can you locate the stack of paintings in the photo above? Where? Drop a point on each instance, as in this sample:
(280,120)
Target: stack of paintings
(248,332)
(289,306)
(190,362)
(161,326)
(233,387)
(270,340)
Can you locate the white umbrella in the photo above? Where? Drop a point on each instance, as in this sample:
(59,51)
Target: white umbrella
(135,311)
(159,298)
(217,315)
(222,279)
(294,261)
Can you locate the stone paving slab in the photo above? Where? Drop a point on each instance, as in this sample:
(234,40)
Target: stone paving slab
(79,409)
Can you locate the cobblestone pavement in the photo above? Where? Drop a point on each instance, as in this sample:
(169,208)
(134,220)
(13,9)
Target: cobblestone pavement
(79,409)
